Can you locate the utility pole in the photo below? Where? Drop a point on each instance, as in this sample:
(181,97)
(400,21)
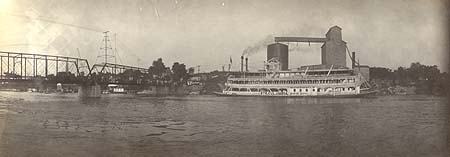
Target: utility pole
(106,47)
(115,53)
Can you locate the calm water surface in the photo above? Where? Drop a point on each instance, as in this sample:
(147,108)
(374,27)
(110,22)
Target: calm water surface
(34,124)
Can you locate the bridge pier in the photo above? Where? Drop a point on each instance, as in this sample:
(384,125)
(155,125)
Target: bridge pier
(89,91)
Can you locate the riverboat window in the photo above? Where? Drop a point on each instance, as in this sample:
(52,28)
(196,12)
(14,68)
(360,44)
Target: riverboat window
(314,90)
(273,89)
(253,89)
(243,89)
(294,90)
(343,89)
(235,89)
(306,90)
(318,89)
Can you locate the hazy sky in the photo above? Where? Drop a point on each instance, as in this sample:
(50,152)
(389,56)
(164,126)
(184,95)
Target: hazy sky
(388,33)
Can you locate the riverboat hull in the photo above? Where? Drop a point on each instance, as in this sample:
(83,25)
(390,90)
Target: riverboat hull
(362,94)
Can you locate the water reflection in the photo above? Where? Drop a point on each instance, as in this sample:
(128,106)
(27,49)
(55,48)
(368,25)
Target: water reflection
(225,126)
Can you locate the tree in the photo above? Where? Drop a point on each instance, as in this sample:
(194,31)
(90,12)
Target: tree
(157,68)
(179,72)
(380,73)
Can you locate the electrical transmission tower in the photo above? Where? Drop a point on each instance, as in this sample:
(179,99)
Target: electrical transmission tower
(106,47)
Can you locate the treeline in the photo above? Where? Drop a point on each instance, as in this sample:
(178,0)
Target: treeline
(427,79)
(158,74)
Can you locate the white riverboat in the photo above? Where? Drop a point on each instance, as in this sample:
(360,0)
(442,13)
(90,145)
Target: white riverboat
(313,83)
(331,78)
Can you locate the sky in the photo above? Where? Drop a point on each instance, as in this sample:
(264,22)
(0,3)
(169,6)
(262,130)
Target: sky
(383,33)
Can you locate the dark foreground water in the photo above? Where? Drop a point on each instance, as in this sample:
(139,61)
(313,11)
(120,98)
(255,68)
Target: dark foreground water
(33,124)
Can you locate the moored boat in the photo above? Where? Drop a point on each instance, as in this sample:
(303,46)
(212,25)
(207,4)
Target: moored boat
(332,83)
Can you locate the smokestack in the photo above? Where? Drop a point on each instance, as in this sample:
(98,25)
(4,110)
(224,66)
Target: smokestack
(246,64)
(242,63)
(353,60)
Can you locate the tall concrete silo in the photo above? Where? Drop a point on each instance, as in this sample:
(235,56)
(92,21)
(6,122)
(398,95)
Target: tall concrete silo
(334,49)
(279,51)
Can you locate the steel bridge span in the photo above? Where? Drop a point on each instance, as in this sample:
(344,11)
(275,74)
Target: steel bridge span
(29,66)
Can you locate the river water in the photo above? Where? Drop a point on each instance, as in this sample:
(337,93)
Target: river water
(36,124)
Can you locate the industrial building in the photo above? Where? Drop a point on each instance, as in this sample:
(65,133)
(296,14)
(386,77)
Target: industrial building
(333,53)
(334,48)
(278,52)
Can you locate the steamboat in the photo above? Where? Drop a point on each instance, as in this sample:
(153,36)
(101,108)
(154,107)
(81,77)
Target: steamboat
(330,79)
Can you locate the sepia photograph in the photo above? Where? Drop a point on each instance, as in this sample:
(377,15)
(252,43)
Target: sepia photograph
(228,78)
